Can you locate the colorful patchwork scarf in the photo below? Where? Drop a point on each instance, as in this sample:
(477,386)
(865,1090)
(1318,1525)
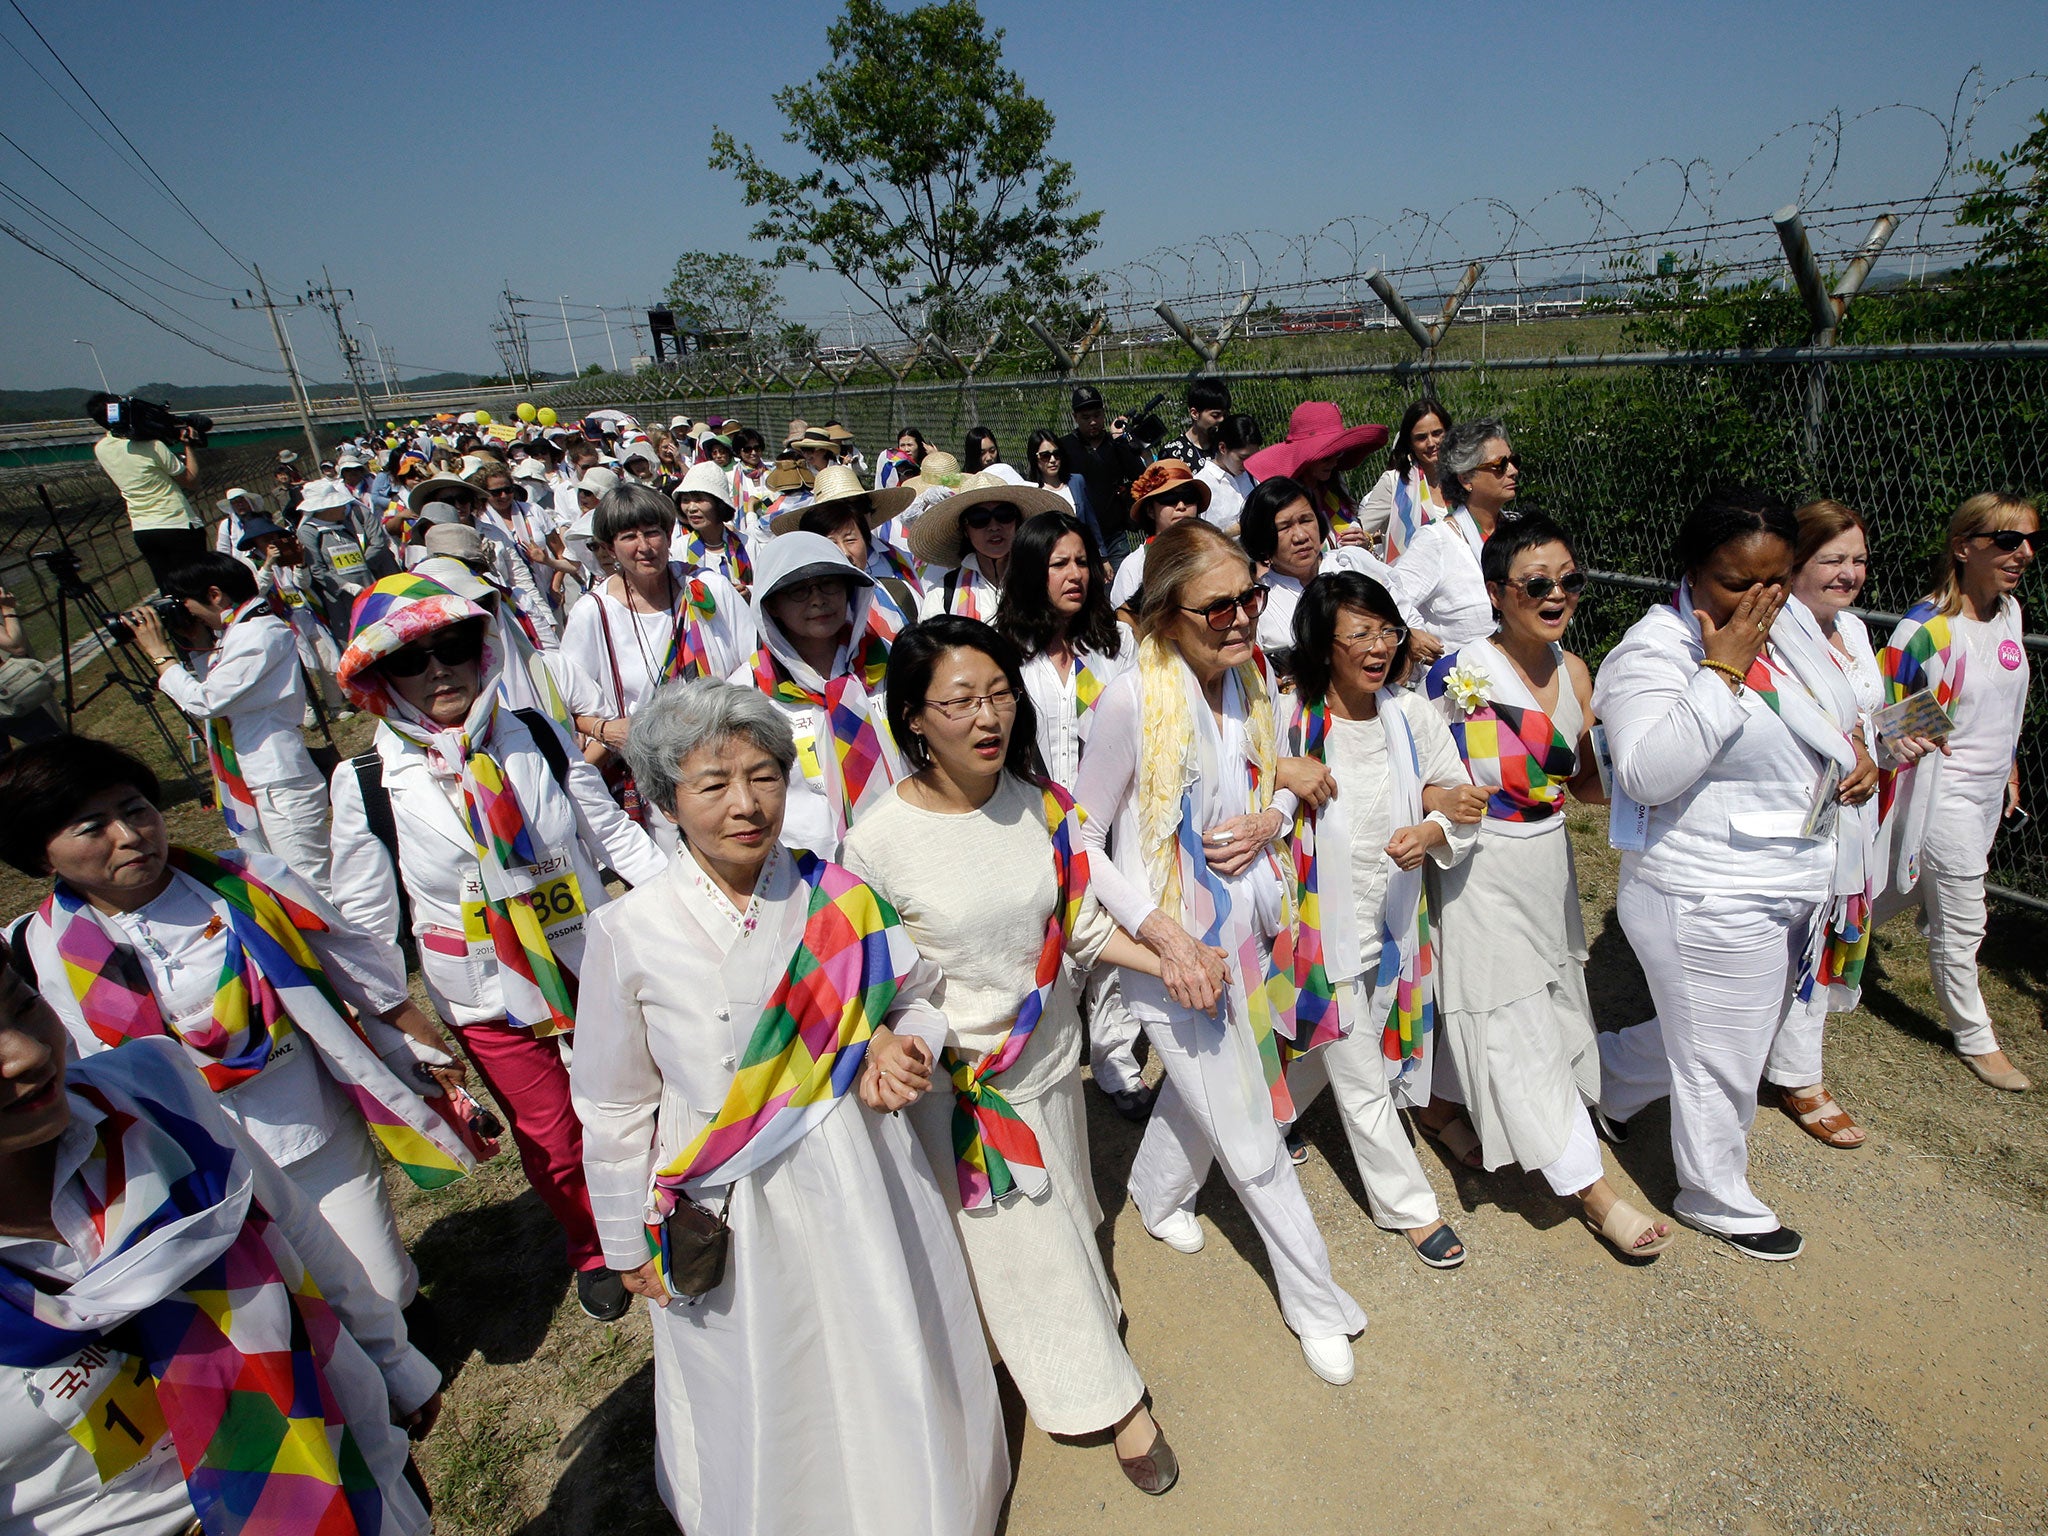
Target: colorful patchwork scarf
(730,559)
(1921,654)
(270,984)
(840,984)
(1416,504)
(688,656)
(857,769)
(1514,751)
(231,795)
(1089,680)
(1317,1019)
(894,465)
(996,1152)
(232,1337)
(974,595)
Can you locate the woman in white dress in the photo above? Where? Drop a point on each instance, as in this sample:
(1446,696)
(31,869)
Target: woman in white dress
(1409,496)
(1964,643)
(1437,581)
(964,542)
(1720,757)
(829,1373)
(1359,860)
(981,857)
(823,653)
(1184,768)
(1515,1013)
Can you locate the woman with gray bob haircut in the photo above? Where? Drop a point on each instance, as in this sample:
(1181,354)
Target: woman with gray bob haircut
(834,1303)
(1437,581)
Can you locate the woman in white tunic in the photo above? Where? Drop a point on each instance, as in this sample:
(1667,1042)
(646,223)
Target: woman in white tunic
(1360,858)
(1437,580)
(1964,643)
(1515,1012)
(823,652)
(832,1377)
(1184,767)
(981,857)
(1720,758)
(1409,496)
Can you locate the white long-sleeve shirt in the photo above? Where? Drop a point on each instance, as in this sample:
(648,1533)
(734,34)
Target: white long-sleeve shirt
(640,641)
(1063,726)
(252,680)
(1437,582)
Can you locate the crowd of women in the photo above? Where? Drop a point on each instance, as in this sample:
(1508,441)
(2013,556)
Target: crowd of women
(774,841)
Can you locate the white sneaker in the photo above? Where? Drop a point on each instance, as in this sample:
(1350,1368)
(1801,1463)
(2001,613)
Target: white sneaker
(1180,1232)
(1329,1358)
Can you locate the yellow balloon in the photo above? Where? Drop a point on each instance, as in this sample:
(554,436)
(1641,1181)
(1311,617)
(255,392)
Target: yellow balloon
(546,416)
(390,442)
(526,412)
(483,418)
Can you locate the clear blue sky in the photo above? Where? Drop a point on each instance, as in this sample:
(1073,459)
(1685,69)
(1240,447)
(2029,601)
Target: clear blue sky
(428,155)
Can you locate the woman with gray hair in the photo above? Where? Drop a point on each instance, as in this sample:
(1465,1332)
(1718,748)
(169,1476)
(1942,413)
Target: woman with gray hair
(654,621)
(796,1247)
(1437,582)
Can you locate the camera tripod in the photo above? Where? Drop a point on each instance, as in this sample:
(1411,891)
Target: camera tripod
(125,670)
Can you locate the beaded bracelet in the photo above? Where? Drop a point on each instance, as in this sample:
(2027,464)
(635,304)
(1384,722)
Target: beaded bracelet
(1726,671)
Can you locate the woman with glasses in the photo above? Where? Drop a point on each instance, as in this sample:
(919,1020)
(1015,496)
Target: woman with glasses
(1409,496)
(823,652)
(981,857)
(1049,468)
(1361,855)
(496,513)
(1512,988)
(495,853)
(964,542)
(1165,494)
(1437,582)
(1964,644)
(1184,770)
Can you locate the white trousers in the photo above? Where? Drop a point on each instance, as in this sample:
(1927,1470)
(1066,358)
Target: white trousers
(1396,1192)
(1954,909)
(1795,1054)
(1112,1033)
(1173,1162)
(1579,1166)
(346,1181)
(292,818)
(1720,969)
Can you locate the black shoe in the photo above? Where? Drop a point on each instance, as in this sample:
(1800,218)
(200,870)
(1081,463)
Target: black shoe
(1776,1245)
(1297,1146)
(1134,1104)
(1613,1132)
(602,1294)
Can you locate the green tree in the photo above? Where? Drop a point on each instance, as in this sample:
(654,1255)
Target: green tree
(930,188)
(2010,205)
(724,296)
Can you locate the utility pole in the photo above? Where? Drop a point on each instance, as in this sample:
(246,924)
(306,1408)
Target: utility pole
(517,321)
(606,315)
(284,351)
(324,296)
(376,346)
(570,337)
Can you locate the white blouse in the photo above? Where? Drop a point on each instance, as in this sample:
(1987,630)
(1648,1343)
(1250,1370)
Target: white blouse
(640,641)
(1438,585)
(1063,726)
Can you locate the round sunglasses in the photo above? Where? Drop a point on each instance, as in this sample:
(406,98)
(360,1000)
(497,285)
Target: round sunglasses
(1572,583)
(983,517)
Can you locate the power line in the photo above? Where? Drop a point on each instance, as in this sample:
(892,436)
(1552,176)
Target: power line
(23,202)
(216,239)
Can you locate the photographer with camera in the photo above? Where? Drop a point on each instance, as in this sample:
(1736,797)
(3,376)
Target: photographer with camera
(1108,459)
(151,478)
(248,692)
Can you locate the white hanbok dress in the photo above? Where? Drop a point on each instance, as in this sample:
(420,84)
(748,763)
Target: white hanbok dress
(836,1380)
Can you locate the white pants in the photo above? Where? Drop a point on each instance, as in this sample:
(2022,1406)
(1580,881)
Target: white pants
(292,817)
(346,1181)
(1396,1192)
(1954,908)
(1579,1166)
(1173,1162)
(1720,969)
(1795,1054)
(1112,1033)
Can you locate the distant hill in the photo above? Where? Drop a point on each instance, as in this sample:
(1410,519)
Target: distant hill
(62,404)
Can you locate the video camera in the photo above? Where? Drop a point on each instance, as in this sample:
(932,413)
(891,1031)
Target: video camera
(1145,425)
(145,420)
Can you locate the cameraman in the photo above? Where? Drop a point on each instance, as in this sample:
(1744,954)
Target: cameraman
(1108,460)
(248,690)
(153,481)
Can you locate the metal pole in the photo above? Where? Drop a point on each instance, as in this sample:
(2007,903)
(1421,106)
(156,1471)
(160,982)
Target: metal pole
(573,369)
(351,349)
(1820,310)
(291,368)
(378,347)
(606,315)
(1873,246)
(95,351)
(1397,306)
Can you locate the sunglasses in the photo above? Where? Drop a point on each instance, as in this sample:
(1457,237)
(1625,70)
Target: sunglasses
(2010,539)
(457,648)
(502,490)
(984,517)
(1046,455)
(1222,613)
(1572,583)
(1501,465)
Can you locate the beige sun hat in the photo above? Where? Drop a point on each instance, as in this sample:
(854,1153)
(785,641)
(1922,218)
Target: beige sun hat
(939,469)
(938,539)
(839,483)
(787,474)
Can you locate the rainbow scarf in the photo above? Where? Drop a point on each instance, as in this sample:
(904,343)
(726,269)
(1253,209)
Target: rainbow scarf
(893,466)
(806,1050)
(231,1336)
(974,595)
(857,768)
(231,794)
(995,1152)
(1088,681)
(1515,752)
(730,559)
(1922,653)
(1317,1020)
(688,657)
(1416,505)
(1338,509)
(270,984)
(900,565)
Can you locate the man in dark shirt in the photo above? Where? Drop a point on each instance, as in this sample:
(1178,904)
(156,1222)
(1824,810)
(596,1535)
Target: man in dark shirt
(1208,404)
(1108,461)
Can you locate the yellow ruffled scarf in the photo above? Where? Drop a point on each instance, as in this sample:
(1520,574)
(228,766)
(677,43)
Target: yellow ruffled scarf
(1169,761)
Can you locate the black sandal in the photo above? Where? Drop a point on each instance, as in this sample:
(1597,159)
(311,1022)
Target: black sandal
(1433,1249)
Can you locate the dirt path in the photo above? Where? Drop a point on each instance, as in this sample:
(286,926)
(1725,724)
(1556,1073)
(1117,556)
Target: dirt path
(1894,1379)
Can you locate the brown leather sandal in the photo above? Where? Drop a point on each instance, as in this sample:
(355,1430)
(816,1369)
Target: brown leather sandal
(1157,1470)
(1823,1119)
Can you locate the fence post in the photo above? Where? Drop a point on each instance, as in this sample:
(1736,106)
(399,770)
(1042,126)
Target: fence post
(1427,336)
(1061,357)
(1208,351)
(1825,311)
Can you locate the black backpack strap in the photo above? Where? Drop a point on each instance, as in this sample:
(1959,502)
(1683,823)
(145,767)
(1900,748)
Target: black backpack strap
(952,585)
(18,957)
(549,740)
(377,812)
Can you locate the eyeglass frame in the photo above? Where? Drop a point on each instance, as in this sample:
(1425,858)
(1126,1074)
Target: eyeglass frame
(1001,703)
(1373,641)
(1498,466)
(1251,602)
(1526,586)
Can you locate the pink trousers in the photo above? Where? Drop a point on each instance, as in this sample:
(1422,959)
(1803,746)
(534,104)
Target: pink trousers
(530,1081)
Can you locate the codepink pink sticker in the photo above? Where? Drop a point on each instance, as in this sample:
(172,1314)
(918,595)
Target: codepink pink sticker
(2009,655)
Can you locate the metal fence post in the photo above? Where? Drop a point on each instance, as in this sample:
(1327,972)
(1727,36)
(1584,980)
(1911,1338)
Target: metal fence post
(1824,311)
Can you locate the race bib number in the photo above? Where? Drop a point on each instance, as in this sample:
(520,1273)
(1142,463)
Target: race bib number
(807,756)
(555,894)
(349,559)
(106,1401)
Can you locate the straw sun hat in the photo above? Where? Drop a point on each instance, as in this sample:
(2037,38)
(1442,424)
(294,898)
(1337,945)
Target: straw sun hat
(939,539)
